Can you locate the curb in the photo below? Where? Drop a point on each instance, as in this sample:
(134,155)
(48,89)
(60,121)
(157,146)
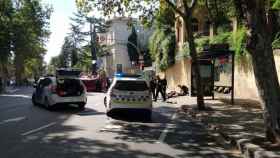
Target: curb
(247,149)
(250,150)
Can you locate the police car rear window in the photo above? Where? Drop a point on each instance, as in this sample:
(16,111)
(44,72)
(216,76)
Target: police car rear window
(131,86)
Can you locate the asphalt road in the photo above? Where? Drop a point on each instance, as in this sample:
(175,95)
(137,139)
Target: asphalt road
(27,131)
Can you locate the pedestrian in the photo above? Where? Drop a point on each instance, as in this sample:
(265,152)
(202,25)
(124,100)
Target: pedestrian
(153,87)
(183,90)
(161,85)
(164,87)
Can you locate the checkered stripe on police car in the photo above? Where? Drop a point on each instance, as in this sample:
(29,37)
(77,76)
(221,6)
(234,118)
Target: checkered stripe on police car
(130,98)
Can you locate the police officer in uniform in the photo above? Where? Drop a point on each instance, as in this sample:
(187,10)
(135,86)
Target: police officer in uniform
(153,83)
(161,85)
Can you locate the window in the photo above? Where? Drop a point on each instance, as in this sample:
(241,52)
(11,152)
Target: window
(195,24)
(131,86)
(206,28)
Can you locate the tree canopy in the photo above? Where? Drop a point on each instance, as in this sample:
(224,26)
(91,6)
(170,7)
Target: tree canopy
(24,29)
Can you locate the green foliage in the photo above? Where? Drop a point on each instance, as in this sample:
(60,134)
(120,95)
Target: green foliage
(222,37)
(154,43)
(168,51)
(276,4)
(162,43)
(6,11)
(84,62)
(164,17)
(185,51)
(132,44)
(201,43)
(236,40)
(162,46)
(220,10)
(23,31)
(238,43)
(276,41)
(75,52)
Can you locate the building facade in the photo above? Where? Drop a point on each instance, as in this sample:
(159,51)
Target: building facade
(180,72)
(116,39)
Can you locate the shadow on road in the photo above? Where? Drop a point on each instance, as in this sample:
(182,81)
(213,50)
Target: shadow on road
(161,114)
(188,136)
(62,140)
(61,146)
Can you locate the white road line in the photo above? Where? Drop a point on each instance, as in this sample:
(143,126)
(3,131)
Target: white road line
(16,95)
(38,129)
(166,129)
(17,119)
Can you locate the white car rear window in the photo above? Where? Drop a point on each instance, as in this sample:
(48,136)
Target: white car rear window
(131,86)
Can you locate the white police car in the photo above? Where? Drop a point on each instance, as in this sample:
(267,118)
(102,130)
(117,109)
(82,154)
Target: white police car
(64,88)
(129,93)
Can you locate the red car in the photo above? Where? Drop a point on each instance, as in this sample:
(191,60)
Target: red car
(92,85)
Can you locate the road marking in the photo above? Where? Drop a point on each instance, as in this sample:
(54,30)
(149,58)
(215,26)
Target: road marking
(38,129)
(17,119)
(166,129)
(16,95)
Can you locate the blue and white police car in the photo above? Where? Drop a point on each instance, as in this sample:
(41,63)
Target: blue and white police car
(129,93)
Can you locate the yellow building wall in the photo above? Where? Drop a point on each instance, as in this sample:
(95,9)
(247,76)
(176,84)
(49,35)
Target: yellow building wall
(245,85)
(178,74)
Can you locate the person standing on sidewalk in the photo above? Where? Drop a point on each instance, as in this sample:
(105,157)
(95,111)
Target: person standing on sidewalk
(161,88)
(153,87)
(164,86)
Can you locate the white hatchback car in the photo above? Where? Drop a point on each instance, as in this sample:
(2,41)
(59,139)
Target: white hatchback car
(60,90)
(129,94)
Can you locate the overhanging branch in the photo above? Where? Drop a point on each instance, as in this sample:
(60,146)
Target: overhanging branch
(174,7)
(193,4)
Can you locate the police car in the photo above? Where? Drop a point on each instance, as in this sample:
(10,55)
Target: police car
(64,88)
(129,93)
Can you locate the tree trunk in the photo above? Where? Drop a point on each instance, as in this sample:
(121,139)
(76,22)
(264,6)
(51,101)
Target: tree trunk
(5,76)
(195,61)
(19,69)
(259,46)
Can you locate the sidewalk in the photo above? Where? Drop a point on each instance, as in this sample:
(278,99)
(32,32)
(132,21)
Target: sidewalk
(240,125)
(11,90)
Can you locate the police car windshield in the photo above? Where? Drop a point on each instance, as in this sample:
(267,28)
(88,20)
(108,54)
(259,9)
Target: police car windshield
(131,86)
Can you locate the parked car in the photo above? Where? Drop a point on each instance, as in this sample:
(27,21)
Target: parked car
(65,88)
(95,84)
(92,84)
(129,93)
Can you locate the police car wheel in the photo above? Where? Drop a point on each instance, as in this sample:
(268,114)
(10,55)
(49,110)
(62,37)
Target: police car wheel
(148,116)
(82,105)
(105,102)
